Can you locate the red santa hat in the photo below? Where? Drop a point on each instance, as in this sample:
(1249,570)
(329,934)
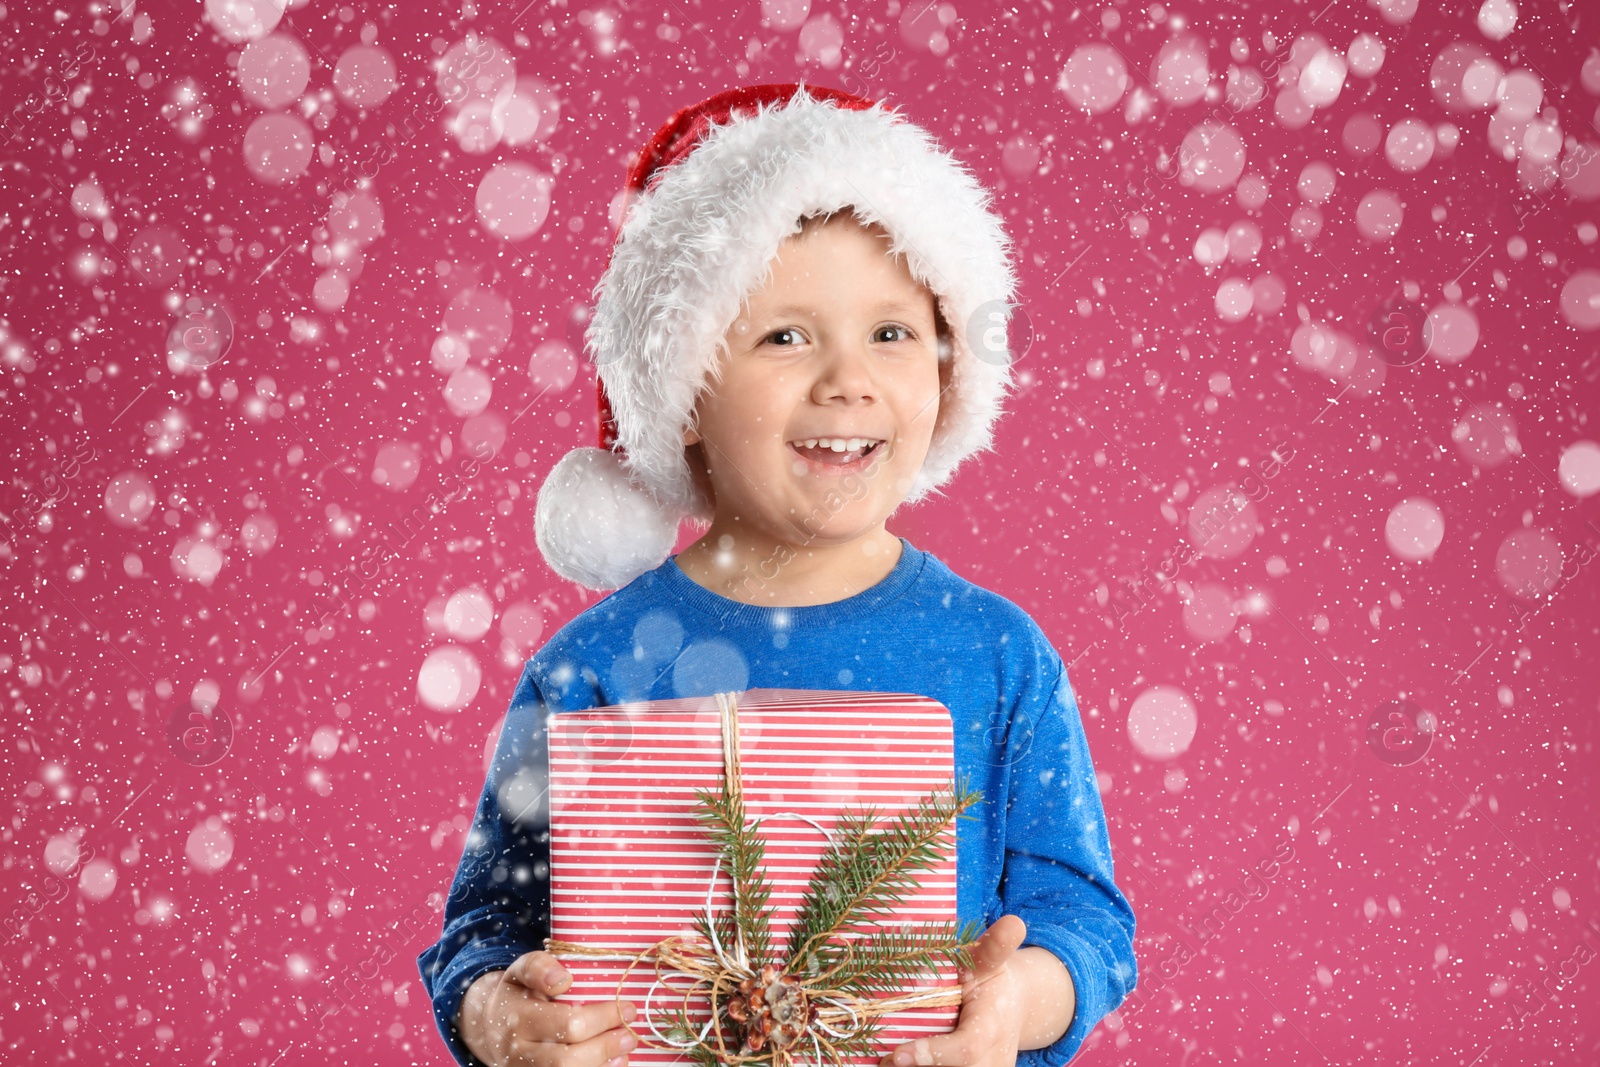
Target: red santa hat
(708,202)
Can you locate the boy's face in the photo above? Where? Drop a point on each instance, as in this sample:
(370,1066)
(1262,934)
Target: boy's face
(841,343)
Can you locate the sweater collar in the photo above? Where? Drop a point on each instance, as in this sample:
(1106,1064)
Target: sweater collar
(685,590)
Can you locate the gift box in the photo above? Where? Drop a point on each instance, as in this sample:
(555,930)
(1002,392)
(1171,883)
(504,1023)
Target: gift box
(633,861)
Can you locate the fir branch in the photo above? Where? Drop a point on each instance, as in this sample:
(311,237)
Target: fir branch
(892,957)
(725,929)
(700,1054)
(821,903)
(864,1042)
(865,874)
(744,854)
(682,1028)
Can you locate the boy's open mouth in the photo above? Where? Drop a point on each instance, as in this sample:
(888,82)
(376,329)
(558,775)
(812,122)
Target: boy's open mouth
(836,451)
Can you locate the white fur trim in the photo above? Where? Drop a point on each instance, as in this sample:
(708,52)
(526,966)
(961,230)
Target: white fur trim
(694,246)
(595,526)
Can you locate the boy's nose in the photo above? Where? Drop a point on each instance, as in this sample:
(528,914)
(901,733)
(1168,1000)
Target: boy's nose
(844,372)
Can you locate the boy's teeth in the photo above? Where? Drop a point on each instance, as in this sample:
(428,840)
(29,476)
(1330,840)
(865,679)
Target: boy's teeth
(838,444)
(836,450)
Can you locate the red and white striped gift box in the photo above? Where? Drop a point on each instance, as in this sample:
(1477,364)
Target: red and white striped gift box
(630,864)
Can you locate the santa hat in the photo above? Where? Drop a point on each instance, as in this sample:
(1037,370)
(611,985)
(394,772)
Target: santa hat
(708,202)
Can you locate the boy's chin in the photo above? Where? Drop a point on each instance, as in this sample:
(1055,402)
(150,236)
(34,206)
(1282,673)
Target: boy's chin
(847,527)
(860,544)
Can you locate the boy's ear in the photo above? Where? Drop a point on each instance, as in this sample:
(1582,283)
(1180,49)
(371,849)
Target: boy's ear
(689,436)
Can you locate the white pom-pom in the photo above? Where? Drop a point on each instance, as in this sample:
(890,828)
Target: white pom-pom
(597,527)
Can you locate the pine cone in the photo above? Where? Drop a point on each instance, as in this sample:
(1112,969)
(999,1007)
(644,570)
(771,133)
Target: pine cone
(789,1009)
(771,1007)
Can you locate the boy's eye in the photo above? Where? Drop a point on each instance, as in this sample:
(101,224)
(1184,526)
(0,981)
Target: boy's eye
(788,337)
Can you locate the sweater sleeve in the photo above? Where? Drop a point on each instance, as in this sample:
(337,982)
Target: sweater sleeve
(1058,876)
(499,903)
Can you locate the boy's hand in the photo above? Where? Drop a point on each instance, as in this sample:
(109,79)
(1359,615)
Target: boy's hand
(508,1019)
(990,1026)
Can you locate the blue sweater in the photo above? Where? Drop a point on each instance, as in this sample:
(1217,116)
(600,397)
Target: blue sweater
(1036,846)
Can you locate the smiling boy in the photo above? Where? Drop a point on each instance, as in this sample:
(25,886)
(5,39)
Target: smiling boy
(776,340)
(841,346)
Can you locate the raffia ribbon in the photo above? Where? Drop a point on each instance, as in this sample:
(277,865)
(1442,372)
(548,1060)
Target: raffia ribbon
(717,971)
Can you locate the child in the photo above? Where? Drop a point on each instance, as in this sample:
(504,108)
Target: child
(783,351)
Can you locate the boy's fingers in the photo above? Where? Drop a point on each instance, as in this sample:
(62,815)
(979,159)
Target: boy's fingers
(939,1051)
(541,972)
(510,1008)
(574,1024)
(996,946)
(597,1051)
(570,1024)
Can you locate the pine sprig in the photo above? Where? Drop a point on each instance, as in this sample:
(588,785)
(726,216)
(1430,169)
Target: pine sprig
(681,1030)
(744,853)
(865,874)
(891,958)
(819,907)
(864,1042)
(726,930)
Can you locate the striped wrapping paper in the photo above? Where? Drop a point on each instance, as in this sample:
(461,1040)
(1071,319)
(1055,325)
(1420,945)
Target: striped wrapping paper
(630,864)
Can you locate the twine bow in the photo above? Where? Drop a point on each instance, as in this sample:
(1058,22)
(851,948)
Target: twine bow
(716,971)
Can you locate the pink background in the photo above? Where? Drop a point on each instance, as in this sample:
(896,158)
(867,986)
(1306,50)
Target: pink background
(236,798)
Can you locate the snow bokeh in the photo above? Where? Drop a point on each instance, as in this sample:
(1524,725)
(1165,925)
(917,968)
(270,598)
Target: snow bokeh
(1300,478)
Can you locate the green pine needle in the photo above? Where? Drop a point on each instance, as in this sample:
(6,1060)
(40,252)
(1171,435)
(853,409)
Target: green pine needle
(744,854)
(891,958)
(865,874)
(863,1043)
